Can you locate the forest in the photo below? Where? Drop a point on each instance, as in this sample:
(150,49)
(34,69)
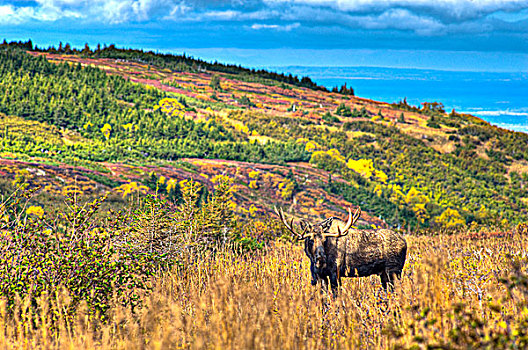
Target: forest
(409,169)
(177,63)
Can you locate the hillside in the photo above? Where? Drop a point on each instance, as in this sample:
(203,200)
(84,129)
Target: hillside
(103,123)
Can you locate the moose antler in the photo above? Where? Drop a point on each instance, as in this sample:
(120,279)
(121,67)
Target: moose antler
(300,236)
(349,223)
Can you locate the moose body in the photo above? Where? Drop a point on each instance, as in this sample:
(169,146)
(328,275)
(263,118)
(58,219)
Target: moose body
(336,250)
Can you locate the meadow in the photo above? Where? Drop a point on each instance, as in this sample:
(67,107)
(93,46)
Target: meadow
(458,291)
(451,297)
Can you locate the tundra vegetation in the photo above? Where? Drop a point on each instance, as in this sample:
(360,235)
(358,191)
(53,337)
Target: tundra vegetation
(168,277)
(91,108)
(183,252)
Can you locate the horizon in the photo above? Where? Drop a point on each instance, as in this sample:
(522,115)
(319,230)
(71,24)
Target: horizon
(464,35)
(210,58)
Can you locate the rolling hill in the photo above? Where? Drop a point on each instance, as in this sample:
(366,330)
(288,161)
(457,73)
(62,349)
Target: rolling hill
(110,120)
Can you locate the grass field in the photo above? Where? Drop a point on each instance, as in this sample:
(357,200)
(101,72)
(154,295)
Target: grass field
(136,213)
(456,293)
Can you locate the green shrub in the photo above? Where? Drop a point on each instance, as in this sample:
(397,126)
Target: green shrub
(433,123)
(327,117)
(105,180)
(344,111)
(42,255)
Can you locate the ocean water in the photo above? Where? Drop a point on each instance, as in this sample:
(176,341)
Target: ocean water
(499,98)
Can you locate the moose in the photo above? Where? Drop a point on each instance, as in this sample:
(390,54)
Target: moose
(336,250)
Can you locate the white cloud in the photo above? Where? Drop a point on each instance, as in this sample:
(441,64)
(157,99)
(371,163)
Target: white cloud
(10,14)
(402,20)
(229,15)
(120,11)
(109,11)
(423,17)
(222,15)
(449,8)
(286,28)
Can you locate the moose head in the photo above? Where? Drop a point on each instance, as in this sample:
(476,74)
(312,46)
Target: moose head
(316,243)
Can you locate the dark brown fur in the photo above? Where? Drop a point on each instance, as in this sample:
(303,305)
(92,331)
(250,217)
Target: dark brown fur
(358,254)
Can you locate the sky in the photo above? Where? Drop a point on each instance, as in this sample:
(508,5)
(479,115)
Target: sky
(475,35)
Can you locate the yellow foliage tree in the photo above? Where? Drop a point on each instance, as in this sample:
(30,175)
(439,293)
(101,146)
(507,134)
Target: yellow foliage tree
(286,189)
(381,176)
(171,106)
(132,187)
(34,210)
(330,160)
(252,210)
(171,185)
(414,196)
(334,153)
(365,167)
(312,146)
(254,174)
(421,212)
(242,128)
(221,179)
(396,194)
(106,130)
(451,219)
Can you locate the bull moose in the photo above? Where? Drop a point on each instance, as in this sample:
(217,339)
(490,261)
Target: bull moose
(337,250)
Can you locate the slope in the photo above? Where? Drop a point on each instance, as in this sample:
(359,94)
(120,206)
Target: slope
(408,165)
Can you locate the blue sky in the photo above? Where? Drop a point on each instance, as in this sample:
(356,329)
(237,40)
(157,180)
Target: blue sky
(485,35)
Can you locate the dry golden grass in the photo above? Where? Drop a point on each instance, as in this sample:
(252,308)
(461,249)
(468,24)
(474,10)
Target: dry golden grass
(450,284)
(354,134)
(519,167)
(444,146)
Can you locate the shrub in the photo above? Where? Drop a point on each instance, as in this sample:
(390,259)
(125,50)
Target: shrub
(201,222)
(42,256)
(105,180)
(329,118)
(245,101)
(432,123)
(215,82)
(344,110)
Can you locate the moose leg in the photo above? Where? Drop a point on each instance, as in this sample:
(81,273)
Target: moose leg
(388,278)
(395,275)
(315,278)
(384,279)
(335,282)
(324,284)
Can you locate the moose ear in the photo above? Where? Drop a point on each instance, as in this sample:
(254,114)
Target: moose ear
(325,225)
